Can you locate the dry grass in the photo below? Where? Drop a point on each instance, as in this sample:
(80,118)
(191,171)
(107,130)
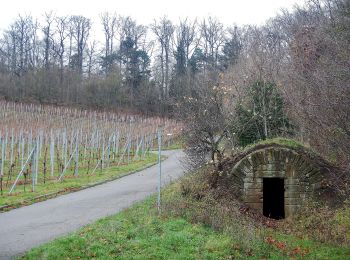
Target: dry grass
(321,223)
(218,207)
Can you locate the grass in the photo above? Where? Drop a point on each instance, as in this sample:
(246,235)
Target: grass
(182,231)
(174,146)
(176,143)
(70,182)
(305,248)
(138,233)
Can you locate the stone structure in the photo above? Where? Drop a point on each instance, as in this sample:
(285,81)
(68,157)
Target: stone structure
(276,179)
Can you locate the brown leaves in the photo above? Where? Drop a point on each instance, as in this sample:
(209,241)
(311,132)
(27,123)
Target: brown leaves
(271,241)
(282,246)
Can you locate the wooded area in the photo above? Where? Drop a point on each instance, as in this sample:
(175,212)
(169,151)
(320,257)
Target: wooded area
(289,77)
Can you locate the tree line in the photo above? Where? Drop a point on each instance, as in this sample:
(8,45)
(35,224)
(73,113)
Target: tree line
(233,85)
(59,61)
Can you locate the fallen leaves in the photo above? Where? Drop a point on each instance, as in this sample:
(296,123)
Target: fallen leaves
(282,246)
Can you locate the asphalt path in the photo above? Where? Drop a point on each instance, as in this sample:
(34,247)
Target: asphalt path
(27,227)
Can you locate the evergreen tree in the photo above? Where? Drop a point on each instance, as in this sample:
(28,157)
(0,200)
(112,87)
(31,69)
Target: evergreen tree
(263,116)
(232,49)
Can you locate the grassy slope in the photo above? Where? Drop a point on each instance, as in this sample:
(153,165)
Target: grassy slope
(71,183)
(140,233)
(137,233)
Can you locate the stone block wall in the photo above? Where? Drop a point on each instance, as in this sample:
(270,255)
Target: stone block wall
(301,177)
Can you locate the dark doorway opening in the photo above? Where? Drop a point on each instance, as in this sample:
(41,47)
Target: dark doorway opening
(273,198)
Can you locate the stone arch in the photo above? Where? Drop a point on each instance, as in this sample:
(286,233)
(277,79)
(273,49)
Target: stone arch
(301,173)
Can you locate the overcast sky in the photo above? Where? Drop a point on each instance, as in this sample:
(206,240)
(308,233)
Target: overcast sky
(144,11)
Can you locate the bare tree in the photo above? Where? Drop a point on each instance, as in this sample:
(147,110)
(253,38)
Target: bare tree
(208,116)
(186,41)
(110,23)
(164,30)
(80,31)
(59,43)
(316,79)
(212,39)
(91,52)
(48,35)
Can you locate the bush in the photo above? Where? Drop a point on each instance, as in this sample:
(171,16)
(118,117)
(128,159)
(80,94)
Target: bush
(321,223)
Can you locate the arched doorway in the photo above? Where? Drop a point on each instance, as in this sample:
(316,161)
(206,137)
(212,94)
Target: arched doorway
(276,179)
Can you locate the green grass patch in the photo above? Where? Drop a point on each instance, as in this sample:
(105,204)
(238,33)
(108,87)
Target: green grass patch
(308,249)
(24,195)
(174,144)
(139,233)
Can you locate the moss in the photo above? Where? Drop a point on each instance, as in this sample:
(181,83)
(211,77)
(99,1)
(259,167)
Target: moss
(280,142)
(290,143)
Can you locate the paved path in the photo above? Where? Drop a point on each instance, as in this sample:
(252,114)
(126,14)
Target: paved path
(27,227)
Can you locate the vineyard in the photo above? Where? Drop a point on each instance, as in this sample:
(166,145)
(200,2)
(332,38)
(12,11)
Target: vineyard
(46,145)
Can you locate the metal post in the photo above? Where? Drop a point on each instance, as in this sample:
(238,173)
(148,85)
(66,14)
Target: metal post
(108,151)
(1,159)
(2,156)
(22,143)
(102,153)
(129,146)
(52,153)
(37,156)
(160,166)
(22,169)
(33,155)
(76,155)
(12,147)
